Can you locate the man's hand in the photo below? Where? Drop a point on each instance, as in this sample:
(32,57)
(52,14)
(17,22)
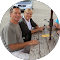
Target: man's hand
(58,31)
(57,25)
(33,42)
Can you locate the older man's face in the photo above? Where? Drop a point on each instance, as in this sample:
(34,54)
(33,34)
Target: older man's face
(16,14)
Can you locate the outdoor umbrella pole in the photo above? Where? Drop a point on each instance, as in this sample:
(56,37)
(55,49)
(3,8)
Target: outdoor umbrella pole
(51,23)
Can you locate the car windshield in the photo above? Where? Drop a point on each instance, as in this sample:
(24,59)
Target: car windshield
(26,1)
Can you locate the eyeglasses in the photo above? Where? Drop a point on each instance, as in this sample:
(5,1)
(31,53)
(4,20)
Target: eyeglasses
(14,7)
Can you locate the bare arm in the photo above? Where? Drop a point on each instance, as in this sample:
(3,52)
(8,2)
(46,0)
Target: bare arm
(57,25)
(22,45)
(37,29)
(58,31)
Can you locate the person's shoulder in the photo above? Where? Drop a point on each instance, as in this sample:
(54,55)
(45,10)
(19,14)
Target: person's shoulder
(6,27)
(21,20)
(7,24)
(10,25)
(57,21)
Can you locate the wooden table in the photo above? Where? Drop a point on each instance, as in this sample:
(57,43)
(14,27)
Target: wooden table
(45,45)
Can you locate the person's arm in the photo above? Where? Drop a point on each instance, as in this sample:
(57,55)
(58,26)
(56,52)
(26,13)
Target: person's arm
(13,45)
(35,30)
(22,45)
(36,26)
(57,25)
(58,31)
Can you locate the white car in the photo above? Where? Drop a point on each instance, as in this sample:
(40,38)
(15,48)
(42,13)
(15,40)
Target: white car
(24,4)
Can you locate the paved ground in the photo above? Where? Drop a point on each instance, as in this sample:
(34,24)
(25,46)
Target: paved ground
(40,12)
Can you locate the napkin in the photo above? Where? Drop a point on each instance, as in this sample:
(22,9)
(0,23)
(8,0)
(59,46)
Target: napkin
(46,35)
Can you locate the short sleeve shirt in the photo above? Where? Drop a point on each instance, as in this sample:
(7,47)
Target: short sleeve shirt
(57,21)
(11,34)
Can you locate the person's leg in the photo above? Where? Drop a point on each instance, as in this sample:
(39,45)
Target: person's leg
(20,54)
(24,56)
